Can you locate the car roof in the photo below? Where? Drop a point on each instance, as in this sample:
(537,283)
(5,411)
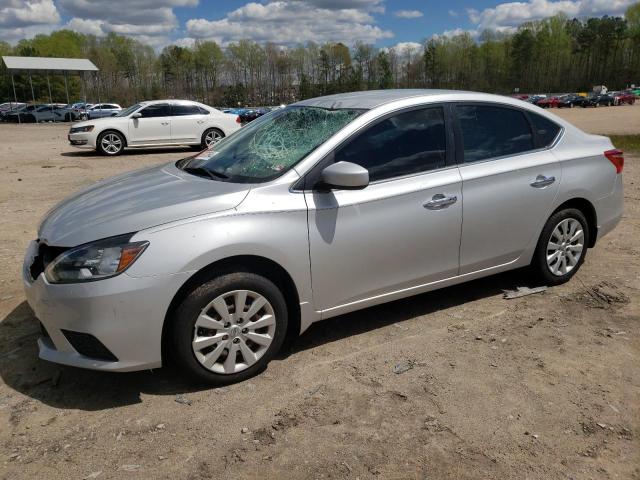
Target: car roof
(369,99)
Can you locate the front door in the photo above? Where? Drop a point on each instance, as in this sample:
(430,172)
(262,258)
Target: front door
(400,232)
(153,127)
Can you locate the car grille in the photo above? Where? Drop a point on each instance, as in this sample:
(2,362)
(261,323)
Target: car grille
(44,257)
(89,346)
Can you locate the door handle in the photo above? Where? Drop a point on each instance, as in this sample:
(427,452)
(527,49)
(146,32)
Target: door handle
(440,201)
(541,181)
(164,123)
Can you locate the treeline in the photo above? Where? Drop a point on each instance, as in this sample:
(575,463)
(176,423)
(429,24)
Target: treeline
(551,55)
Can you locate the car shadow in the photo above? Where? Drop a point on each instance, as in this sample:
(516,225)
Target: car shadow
(132,152)
(74,388)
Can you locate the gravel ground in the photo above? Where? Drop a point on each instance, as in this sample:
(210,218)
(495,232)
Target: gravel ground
(458,383)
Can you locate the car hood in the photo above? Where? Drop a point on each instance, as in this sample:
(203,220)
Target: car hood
(95,121)
(135,201)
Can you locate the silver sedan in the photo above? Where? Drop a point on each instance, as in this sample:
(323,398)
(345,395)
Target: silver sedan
(324,207)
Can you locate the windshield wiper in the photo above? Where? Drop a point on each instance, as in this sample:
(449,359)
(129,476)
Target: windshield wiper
(213,175)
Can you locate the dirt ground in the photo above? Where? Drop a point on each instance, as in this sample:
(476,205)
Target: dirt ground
(541,387)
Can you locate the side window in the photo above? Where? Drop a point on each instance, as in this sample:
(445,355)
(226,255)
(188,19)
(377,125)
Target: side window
(546,130)
(182,109)
(203,111)
(492,131)
(158,110)
(406,143)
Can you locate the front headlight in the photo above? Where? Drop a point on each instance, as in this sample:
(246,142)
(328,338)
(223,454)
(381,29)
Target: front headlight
(95,261)
(86,129)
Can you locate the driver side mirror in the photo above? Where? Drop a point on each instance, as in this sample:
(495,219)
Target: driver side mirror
(136,115)
(345,176)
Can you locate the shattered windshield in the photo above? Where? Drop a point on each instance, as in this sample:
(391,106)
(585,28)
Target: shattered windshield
(271,145)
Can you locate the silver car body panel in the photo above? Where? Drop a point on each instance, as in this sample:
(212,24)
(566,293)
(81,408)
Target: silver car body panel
(344,250)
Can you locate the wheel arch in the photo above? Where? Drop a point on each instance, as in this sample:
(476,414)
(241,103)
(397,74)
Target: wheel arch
(263,266)
(588,210)
(115,130)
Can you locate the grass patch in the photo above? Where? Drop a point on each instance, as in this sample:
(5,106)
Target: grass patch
(627,143)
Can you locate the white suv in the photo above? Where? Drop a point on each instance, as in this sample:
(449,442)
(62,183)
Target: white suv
(159,122)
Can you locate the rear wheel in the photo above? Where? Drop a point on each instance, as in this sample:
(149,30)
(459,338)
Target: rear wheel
(229,328)
(110,143)
(562,246)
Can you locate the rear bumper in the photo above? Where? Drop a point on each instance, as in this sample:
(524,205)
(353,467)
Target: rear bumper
(609,209)
(125,314)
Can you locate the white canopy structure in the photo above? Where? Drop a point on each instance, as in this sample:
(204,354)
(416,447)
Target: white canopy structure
(52,65)
(46,66)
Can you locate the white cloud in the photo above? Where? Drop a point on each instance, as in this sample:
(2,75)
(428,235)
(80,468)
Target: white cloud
(24,19)
(149,21)
(402,48)
(90,27)
(16,14)
(510,15)
(288,22)
(453,13)
(455,32)
(408,14)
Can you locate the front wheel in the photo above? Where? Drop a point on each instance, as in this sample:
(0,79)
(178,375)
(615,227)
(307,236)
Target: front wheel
(210,137)
(229,328)
(110,143)
(562,246)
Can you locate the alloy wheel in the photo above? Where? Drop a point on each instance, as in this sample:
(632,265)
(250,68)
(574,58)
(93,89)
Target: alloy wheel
(111,143)
(565,247)
(233,331)
(212,137)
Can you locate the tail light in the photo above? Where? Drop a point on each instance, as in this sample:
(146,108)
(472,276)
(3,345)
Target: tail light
(238,120)
(617,158)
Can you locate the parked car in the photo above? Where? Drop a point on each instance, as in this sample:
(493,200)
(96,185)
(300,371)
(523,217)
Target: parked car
(74,111)
(621,98)
(47,112)
(570,101)
(605,99)
(247,114)
(160,122)
(23,114)
(373,195)
(534,99)
(10,106)
(548,102)
(101,110)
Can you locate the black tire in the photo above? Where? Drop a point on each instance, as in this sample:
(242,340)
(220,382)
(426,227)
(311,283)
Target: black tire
(203,140)
(183,324)
(539,261)
(111,153)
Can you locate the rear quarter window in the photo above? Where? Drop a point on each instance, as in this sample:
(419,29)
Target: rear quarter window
(546,130)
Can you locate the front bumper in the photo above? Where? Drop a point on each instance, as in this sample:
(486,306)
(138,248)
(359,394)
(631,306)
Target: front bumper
(82,140)
(124,313)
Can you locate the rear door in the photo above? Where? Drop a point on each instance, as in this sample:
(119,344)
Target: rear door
(509,181)
(187,122)
(400,232)
(154,127)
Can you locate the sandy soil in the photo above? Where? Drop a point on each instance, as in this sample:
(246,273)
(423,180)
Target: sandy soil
(620,120)
(541,387)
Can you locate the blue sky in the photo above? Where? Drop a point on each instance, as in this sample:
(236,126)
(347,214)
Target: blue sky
(384,23)
(437,16)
